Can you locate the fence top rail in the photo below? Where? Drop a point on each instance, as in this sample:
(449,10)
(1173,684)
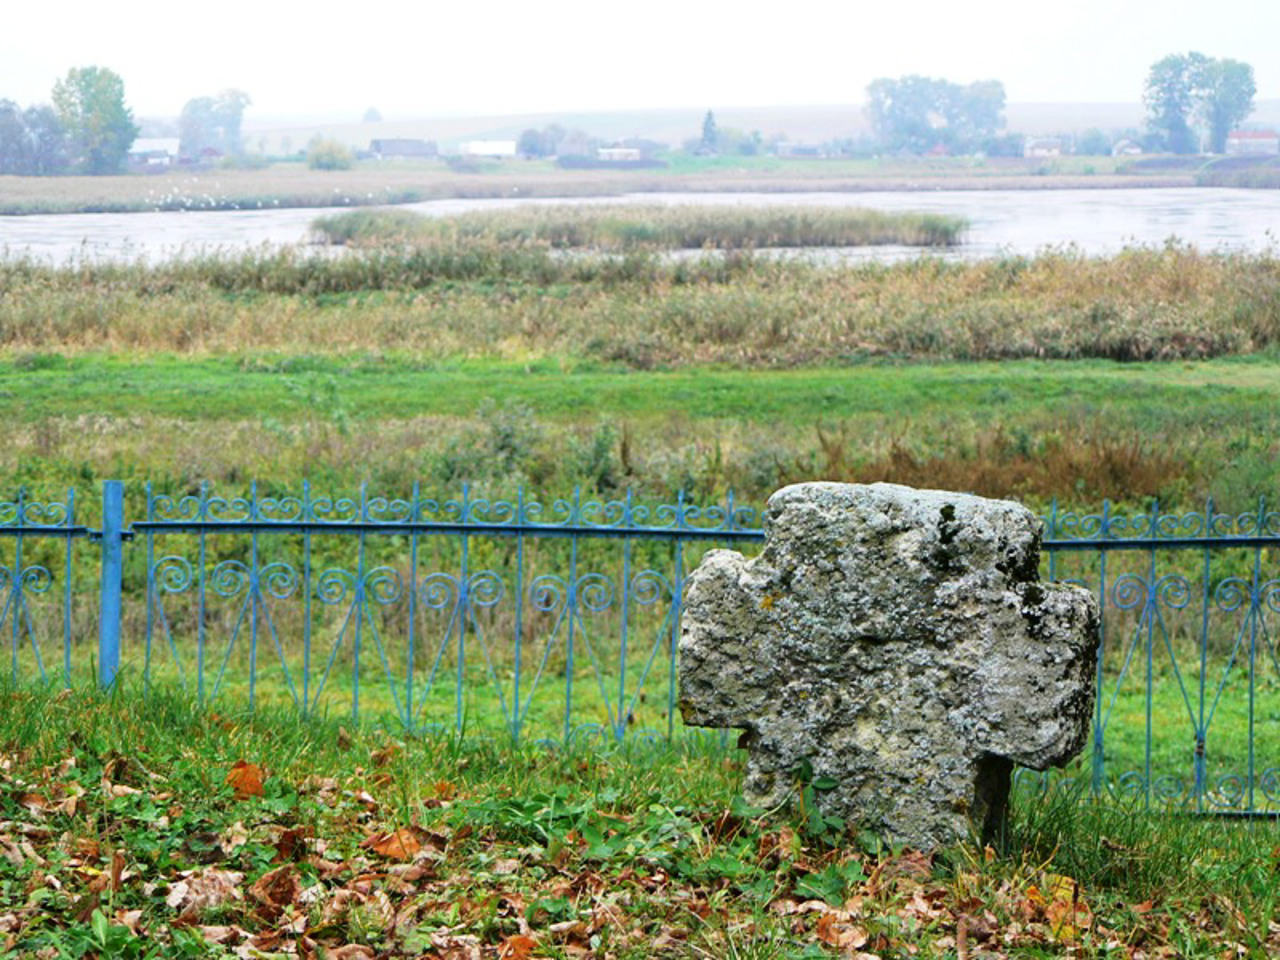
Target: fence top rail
(1207,527)
(24,516)
(576,514)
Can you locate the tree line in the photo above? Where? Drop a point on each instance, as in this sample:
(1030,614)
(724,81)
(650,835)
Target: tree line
(1183,92)
(88,128)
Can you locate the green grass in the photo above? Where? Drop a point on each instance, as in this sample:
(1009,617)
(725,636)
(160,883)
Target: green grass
(622,228)
(1080,431)
(643,850)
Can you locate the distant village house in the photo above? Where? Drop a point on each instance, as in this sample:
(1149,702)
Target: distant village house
(496,149)
(1038,147)
(1126,148)
(619,154)
(1253,143)
(153,153)
(800,148)
(402,147)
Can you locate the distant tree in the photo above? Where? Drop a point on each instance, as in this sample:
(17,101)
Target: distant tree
(1004,145)
(917,114)
(50,151)
(213,123)
(710,137)
(1093,143)
(752,144)
(32,141)
(373,115)
(530,144)
(1224,97)
(546,142)
(1169,97)
(100,128)
(13,139)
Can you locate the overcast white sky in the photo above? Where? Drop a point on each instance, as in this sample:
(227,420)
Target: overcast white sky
(429,58)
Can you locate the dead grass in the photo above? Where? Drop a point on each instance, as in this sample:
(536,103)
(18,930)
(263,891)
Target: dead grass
(489,299)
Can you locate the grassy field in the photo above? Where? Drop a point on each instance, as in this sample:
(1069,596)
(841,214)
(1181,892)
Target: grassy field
(1079,431)
(160,831)
(373,183)
(498,364)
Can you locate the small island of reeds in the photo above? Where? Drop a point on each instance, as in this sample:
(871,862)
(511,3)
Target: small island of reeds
(620,227)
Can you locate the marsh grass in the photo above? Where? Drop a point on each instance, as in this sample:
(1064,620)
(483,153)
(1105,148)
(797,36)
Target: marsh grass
(621,228)
(486,298)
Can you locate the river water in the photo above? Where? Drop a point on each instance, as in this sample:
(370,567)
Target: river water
(1001,222)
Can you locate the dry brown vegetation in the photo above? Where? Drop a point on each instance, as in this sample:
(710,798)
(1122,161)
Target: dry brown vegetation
(496,300)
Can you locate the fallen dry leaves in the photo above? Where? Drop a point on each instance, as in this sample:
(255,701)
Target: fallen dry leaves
(344,882)
(246,779)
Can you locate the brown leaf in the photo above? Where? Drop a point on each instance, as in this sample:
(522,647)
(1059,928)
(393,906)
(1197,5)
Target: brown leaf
(246,779)
(277,889)
(401,844)
(219,934)
(236,836)
(292,844)
(516,947)
(456,947)
(836,930)
(117,869)
(385,755)
(204,889)
(352,951)
(344,739)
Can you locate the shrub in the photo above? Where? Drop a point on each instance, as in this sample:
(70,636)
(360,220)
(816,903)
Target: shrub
(328,154)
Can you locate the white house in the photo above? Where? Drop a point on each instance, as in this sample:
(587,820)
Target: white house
(1248,143)
(1042,147)
(619,154)
(488,148)
(154,153)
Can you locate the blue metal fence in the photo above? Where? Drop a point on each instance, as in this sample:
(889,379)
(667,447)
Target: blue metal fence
(559,620)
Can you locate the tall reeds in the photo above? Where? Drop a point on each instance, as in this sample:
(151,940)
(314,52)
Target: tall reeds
(640,309)
(617,228)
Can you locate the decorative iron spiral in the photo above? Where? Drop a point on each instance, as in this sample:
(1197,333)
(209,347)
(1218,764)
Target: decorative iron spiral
(485,588)
(172,574)
(1129,591)
(334,586)
(595,592)
(438,591)
(649,587)
(547,593)
(383,586)
(229,578)
(279,580)
(1232,593)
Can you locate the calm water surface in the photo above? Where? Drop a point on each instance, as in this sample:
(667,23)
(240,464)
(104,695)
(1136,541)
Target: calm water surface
(1002,221)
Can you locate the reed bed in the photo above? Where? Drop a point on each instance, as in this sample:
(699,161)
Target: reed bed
(620,228)
(640,310)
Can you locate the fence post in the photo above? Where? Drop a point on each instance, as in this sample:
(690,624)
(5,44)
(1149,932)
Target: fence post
(112,562)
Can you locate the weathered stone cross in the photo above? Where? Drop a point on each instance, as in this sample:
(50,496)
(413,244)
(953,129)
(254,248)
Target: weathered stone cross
(899,640)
